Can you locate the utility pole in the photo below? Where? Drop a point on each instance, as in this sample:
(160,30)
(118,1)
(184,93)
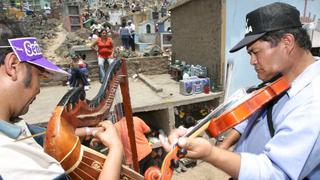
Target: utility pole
(305,8)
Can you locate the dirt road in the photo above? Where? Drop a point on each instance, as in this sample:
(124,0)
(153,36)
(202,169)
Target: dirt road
(203,171)
(54,44)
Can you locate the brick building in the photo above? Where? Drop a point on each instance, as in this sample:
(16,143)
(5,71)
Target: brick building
(198,35)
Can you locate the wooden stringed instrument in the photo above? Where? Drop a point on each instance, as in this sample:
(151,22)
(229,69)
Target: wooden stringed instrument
(219,120)
(74,110)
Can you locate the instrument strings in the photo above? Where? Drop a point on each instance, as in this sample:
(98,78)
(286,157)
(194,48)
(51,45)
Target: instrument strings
(89,166)
(117,111)
(112,98)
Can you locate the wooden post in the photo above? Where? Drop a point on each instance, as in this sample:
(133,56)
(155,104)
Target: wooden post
(124,85)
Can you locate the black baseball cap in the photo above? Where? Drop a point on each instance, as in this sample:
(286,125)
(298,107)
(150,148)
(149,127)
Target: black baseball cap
(272,17)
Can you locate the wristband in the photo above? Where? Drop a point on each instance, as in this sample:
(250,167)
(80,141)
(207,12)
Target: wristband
(94,132)
(88,131)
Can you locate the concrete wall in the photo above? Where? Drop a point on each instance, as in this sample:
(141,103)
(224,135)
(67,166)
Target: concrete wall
(147,38)
(159,119)
(142,27)
(164,26)
(148,65)
(139,17)
(81,49)
(196,35)
(115,16)
(165,119)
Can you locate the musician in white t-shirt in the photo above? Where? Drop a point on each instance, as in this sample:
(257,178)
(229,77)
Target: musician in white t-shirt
(21,155)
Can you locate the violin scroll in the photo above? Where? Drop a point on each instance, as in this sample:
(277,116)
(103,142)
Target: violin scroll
(152,173)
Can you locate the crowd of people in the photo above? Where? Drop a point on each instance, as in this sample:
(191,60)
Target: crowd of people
(127,34)
(133,7)
(103,44)
(279,141)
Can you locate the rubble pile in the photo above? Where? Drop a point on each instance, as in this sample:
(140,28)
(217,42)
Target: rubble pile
(47,31)
(83,33)
(72,39)
(42,30)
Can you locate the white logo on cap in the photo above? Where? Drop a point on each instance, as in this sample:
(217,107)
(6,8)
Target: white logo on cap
(31,49)
(248,28)
(17,48)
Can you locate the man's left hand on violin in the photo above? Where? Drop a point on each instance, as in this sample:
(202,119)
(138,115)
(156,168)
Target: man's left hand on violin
(196,148)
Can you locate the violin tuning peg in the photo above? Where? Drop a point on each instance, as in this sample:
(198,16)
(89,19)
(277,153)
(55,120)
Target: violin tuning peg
(181,153)
(174,164)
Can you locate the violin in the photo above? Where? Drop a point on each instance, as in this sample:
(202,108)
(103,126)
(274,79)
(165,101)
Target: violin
(220,120)
(74,110)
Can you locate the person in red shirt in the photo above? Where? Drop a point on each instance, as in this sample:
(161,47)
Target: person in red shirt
(104,51)
(144,149)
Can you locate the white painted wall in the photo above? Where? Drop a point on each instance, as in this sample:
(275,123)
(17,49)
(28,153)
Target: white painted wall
(141,29)
(115,16)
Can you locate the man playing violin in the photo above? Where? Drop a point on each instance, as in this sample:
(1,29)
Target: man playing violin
(21,68)
(277,43)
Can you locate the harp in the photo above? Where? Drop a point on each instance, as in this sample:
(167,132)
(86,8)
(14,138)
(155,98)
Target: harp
(74,110)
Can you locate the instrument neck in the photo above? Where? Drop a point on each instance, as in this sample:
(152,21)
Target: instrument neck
(263,84)
(204,123)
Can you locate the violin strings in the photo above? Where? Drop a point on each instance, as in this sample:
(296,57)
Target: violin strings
(109,96)
(91,160)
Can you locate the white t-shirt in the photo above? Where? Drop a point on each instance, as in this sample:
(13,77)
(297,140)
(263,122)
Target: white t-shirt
(47,10)
(25,159)
(132,28)
(94,37)
(97,27)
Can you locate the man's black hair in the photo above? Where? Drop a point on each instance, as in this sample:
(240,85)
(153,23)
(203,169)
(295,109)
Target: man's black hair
(301,36)
(28,78)
(9,28)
